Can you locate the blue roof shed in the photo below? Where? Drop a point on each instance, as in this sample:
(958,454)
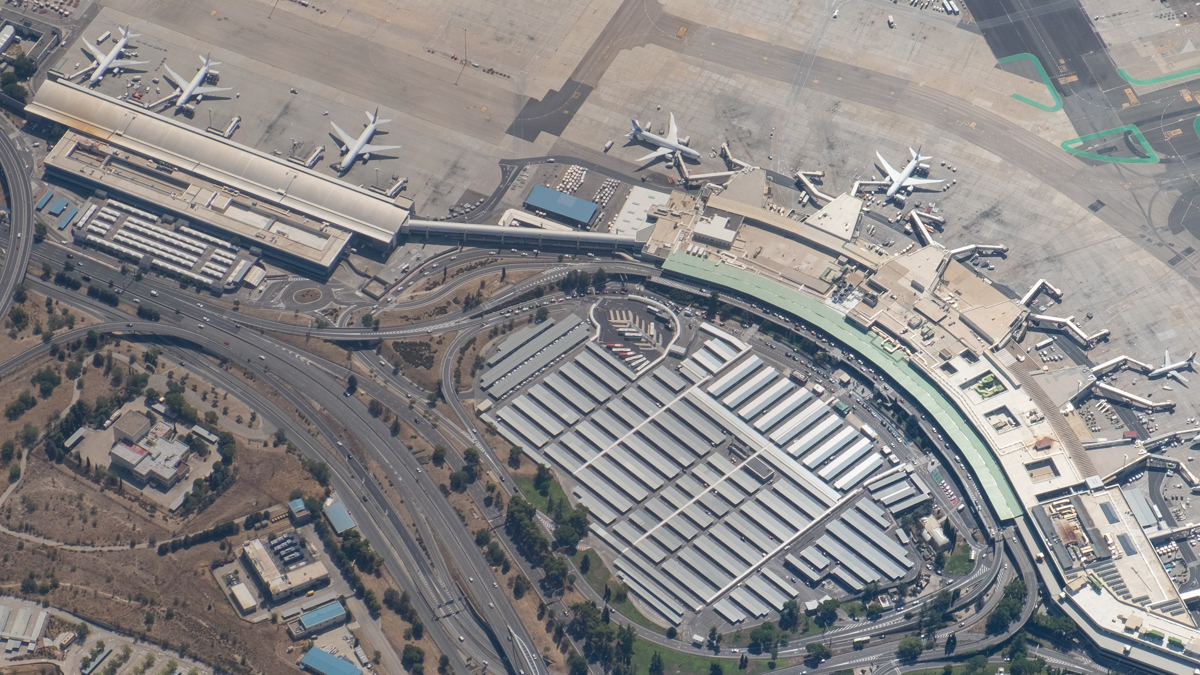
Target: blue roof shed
(561,205)
(322,662)
(323,616)
(58,206)
(339,517)
(45,198)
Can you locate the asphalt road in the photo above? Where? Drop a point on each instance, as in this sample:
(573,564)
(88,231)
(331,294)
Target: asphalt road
(14,166)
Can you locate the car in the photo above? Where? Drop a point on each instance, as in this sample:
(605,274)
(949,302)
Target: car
(227,342)
(154,293)
(200,326)
(346,393)
(200,305)
(206,320)
(70,255)
(418,469)
(129,325)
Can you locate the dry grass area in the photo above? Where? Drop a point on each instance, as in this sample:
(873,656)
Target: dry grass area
(38,319)
(420,359)
(32,669)
(266,476)
(306,295)
(451,304)
(205,397)
(124,588)
(54,503)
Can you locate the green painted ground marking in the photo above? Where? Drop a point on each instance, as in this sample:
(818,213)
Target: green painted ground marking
(988,473)
(1156,80)
(1058,102)
(1196,126)
(1152,159)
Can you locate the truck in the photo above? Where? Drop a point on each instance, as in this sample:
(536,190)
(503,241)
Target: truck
(953,7)
(891,22)
(1044,343)
(697,640)
(100,40)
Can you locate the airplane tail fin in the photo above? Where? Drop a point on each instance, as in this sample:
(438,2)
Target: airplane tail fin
(637,129)
(1191,357)
(207,59)
(125,32)
(374,118)
(915,153)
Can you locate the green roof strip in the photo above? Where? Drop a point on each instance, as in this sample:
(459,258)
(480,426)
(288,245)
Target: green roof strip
(1157,80)
(971,446)
(1058,102)
(1128,128)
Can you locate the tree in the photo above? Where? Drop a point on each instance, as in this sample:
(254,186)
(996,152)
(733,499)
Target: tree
(599,279)
(827,612)
(439,455)
(482,537)
(352,384)
(542,479)
(542,314)
(514,456)
(24,67)
(375,408)
(585,563)
(715,668)
(976,665)
(555,569)
(577,665)
(412,655)
(656,665)
(789,616)
(817,651)
(910,647)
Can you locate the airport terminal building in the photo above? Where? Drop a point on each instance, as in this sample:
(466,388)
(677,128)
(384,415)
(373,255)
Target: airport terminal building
(294,215)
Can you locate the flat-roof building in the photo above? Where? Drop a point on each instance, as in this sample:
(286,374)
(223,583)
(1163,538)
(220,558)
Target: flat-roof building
(560,205)
(322,662)
(290,212)
(339,517)
(243,598)
(131,427)
(276,583)
(299,512)
(317,619)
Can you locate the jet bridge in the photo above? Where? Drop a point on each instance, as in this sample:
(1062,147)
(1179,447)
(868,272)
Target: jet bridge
(1111,392)
(1088,341)
(1041,285)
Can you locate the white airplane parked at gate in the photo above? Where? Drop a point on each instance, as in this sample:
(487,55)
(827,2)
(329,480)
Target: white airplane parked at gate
(666,146)
(903,179)
(186,89)
(1172,369)
(105,61)
(353,147)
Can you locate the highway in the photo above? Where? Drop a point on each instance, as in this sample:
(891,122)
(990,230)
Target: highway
(323,381)
(20,232)
(304,378)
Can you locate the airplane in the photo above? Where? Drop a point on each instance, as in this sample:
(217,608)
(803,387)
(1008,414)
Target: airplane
(667,146)
(1172,369)
(185,89)
(353,147)
(105,61)
(903,179)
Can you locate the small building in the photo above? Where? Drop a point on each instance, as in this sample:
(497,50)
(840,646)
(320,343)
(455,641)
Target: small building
(321,662)
(279,584)
(161,462)
(243,598)
(561,206)
(1043,443)
(339,517)
(204,433)
(74,438)
(131,427)
(317,620)
(299,512)
(717,230)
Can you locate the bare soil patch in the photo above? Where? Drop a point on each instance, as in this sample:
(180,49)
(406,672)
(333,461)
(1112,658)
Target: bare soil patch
(292,317)
(307,295)
(36,320)
(477,290)
(420,359)
(175,592)
(54,503)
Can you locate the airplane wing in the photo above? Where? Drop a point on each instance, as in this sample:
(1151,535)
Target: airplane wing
(380,148)
(920,181)
(673,130)
(176,79)
(661,152)
(1167,357)
(93,51)
(347,139)
(123,63)
(891,173)
(203,91)
(1175,374)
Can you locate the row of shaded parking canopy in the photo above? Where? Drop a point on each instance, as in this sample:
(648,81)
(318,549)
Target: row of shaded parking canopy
(698,476)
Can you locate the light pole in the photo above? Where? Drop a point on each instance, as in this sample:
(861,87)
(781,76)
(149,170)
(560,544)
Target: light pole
(464,57)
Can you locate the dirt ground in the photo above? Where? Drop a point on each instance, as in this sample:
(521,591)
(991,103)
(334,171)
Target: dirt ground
(425,378)
(35,307)
(54,503)
(123,588)
(18,382)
